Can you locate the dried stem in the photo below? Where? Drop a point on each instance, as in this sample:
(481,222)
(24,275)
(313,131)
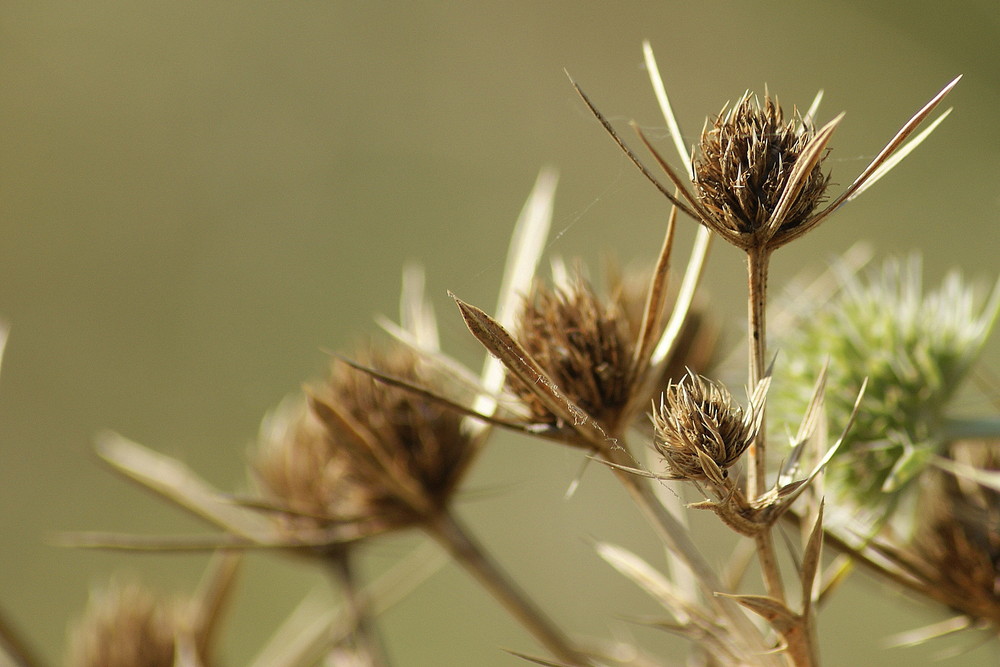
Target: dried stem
(453,536)
(757,266)
(364,636)
(13,647)
(678,540)
(757,262)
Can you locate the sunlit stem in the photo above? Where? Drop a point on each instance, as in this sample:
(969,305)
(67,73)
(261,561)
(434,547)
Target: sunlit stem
(678,540)
(757,265)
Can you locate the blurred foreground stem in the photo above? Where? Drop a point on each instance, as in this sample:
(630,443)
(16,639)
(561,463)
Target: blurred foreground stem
(364,639)
(453,536)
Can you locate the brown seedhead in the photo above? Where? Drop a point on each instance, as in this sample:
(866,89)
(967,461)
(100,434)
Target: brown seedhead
(698,430)
(125,625)
(303,474)
(584,343)
(407,453)
(743,168)
(956,556)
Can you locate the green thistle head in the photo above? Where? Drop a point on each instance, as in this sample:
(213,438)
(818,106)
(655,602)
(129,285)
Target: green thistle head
(914,348)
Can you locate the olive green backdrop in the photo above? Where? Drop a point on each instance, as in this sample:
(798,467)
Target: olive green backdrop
(198,198)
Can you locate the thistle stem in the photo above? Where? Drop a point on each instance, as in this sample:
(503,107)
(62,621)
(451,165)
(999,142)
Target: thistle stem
(455,538)
(14,647)
(364,638)
(757,266)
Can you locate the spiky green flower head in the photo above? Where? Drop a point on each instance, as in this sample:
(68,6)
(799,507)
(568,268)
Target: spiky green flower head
(915,348)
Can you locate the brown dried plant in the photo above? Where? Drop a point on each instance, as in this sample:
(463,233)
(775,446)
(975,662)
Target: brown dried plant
(127,625)
(757,182)
(698,431)
(385,442)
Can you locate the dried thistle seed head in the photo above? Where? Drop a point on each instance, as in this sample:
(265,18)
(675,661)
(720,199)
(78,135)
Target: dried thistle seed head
(957,550)
(698,430)
(742,170)
(297,467)
(408,453)
(585,345)
(125,625)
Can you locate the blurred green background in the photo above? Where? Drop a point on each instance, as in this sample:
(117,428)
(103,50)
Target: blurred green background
(197,198)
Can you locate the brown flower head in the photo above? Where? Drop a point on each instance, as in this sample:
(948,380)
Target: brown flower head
(406,452)
(303,475)
(585,344)
(125,626)
(956,555)
(698,430)
(743,172)
(757,178)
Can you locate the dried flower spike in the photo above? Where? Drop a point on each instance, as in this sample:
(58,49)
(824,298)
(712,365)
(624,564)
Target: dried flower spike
(698,430)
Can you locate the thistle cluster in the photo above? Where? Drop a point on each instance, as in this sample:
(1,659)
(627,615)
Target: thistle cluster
(384,443)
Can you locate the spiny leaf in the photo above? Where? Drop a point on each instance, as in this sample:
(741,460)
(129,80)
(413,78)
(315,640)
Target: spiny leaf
(811,561)
(500,343)
(770,609)
(177,483)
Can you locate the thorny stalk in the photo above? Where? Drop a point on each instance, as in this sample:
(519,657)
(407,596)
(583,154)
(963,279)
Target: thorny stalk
(678,540)
(757,265)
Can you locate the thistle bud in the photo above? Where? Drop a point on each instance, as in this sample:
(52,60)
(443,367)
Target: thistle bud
(698,430)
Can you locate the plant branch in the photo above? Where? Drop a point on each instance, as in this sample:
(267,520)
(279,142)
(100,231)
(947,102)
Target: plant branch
(456,539)
(364,638)
(757,266)
(757,263)
(677,539)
